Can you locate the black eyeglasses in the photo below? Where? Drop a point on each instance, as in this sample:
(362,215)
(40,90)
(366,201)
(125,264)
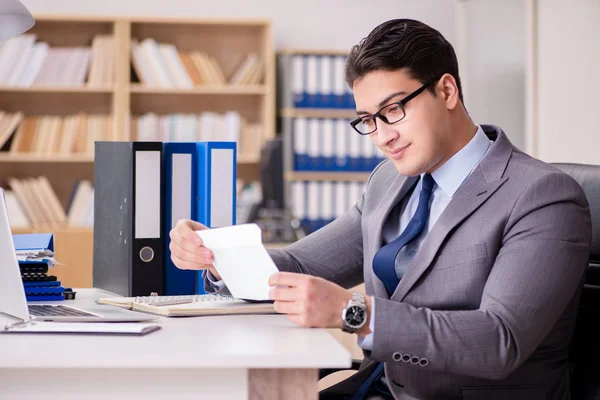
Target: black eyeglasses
(390,114)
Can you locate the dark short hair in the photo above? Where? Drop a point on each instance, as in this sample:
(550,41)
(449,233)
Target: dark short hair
(404,44)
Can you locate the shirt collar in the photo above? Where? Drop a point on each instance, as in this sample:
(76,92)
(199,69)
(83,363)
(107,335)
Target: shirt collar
(450,175)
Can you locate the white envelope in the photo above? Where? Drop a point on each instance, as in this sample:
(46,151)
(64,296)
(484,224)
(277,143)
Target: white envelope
(241,260)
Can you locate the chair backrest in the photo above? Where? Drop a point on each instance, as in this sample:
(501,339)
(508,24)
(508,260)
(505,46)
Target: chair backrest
(585,344)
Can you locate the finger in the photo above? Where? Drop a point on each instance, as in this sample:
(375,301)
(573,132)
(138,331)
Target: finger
(286,307)
(195,225)
(286,279)
(193,237)
(183,264)
(200,255)
(281,293)
(185,229)
(191,246)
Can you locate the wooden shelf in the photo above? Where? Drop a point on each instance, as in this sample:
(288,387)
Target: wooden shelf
(236,22)
(326,176)
(43,229)
(228,41)
(201,90)
(248,159)
(58,89)
(42,158)
(318,52)
(318,113)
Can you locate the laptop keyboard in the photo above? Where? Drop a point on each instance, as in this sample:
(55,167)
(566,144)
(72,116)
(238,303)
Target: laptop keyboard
(50,310)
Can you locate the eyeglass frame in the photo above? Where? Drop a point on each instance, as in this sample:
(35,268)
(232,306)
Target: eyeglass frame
(401,103)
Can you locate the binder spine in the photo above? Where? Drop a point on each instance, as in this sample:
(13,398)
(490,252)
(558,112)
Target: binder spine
(148,207)
(113,202)
(180,185)
(216,195)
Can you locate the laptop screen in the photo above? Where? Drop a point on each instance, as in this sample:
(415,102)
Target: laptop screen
(12,293)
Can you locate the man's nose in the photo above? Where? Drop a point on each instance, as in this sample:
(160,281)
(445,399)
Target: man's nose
(385,133)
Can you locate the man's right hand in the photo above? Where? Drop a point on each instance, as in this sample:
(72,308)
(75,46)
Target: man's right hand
(187,250)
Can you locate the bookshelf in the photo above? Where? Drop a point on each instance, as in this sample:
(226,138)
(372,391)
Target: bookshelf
(226,40)
(324,159)
(118,92)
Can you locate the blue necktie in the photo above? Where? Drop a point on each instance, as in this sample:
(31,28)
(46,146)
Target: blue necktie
(384,266)
(384,262)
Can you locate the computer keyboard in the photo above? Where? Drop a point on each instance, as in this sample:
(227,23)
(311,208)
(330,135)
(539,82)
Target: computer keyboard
(51,310)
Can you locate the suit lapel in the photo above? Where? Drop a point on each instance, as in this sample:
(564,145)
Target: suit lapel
(477,188)
(398,189)
(462,205)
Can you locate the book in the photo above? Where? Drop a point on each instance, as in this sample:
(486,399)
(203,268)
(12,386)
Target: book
(190,305)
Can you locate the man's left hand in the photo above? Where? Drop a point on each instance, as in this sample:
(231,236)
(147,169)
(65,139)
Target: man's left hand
(309,301)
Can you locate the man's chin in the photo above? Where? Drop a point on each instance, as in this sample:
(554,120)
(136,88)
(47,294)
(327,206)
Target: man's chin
(405,168)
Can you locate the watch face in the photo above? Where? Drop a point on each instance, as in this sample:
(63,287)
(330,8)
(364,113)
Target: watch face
(355,316)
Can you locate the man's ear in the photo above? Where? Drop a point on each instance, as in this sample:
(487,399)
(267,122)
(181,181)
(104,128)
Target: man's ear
(447,89)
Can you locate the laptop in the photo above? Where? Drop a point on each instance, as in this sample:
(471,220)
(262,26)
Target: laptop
(12,293)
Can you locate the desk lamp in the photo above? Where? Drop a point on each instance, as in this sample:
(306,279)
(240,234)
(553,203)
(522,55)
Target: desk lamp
(15,19)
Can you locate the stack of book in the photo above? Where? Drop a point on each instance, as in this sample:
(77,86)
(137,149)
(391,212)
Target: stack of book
(204,127)
(327,144)
(315,81)
(35,253)
(33,203)
(163,65)
(316,204)
(53,134)
(25,63)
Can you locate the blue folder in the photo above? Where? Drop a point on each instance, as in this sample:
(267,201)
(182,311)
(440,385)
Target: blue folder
(34,241)
(41,284)
(181,182)
(216,200)
(190,184)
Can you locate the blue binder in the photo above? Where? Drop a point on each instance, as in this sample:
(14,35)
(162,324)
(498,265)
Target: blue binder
(181,169)
(217,169)
(34,241)
(200,184)
(216,195)
(41,284)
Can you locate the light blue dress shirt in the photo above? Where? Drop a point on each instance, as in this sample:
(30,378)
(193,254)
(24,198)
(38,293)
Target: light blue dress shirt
(448,178)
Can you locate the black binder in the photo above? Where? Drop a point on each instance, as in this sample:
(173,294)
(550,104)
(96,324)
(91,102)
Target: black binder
(128,224)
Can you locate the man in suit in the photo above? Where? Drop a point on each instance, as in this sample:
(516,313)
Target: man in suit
(472,252)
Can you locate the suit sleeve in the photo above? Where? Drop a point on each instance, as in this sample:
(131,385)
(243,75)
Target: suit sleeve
(537,272)
(334,252)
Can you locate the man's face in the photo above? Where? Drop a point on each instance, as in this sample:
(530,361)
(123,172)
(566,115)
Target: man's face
(417,143)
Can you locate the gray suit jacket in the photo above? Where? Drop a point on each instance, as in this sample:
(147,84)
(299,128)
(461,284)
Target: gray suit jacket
(487,306)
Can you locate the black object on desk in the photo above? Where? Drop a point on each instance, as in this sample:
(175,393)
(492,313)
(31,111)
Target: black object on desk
(128,223)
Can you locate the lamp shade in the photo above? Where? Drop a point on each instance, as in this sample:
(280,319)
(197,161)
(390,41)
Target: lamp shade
(14,19)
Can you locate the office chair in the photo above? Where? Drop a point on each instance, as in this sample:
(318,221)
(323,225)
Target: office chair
(584,351)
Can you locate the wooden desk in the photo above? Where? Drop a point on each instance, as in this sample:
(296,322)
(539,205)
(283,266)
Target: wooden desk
(225,357)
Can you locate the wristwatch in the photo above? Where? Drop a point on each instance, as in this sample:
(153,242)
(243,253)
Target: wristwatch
(354,315)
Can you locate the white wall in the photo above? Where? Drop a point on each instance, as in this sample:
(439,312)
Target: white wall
(319,24)
(491,49)
(567,123)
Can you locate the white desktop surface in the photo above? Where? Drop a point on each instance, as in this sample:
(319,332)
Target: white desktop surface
(217,351)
